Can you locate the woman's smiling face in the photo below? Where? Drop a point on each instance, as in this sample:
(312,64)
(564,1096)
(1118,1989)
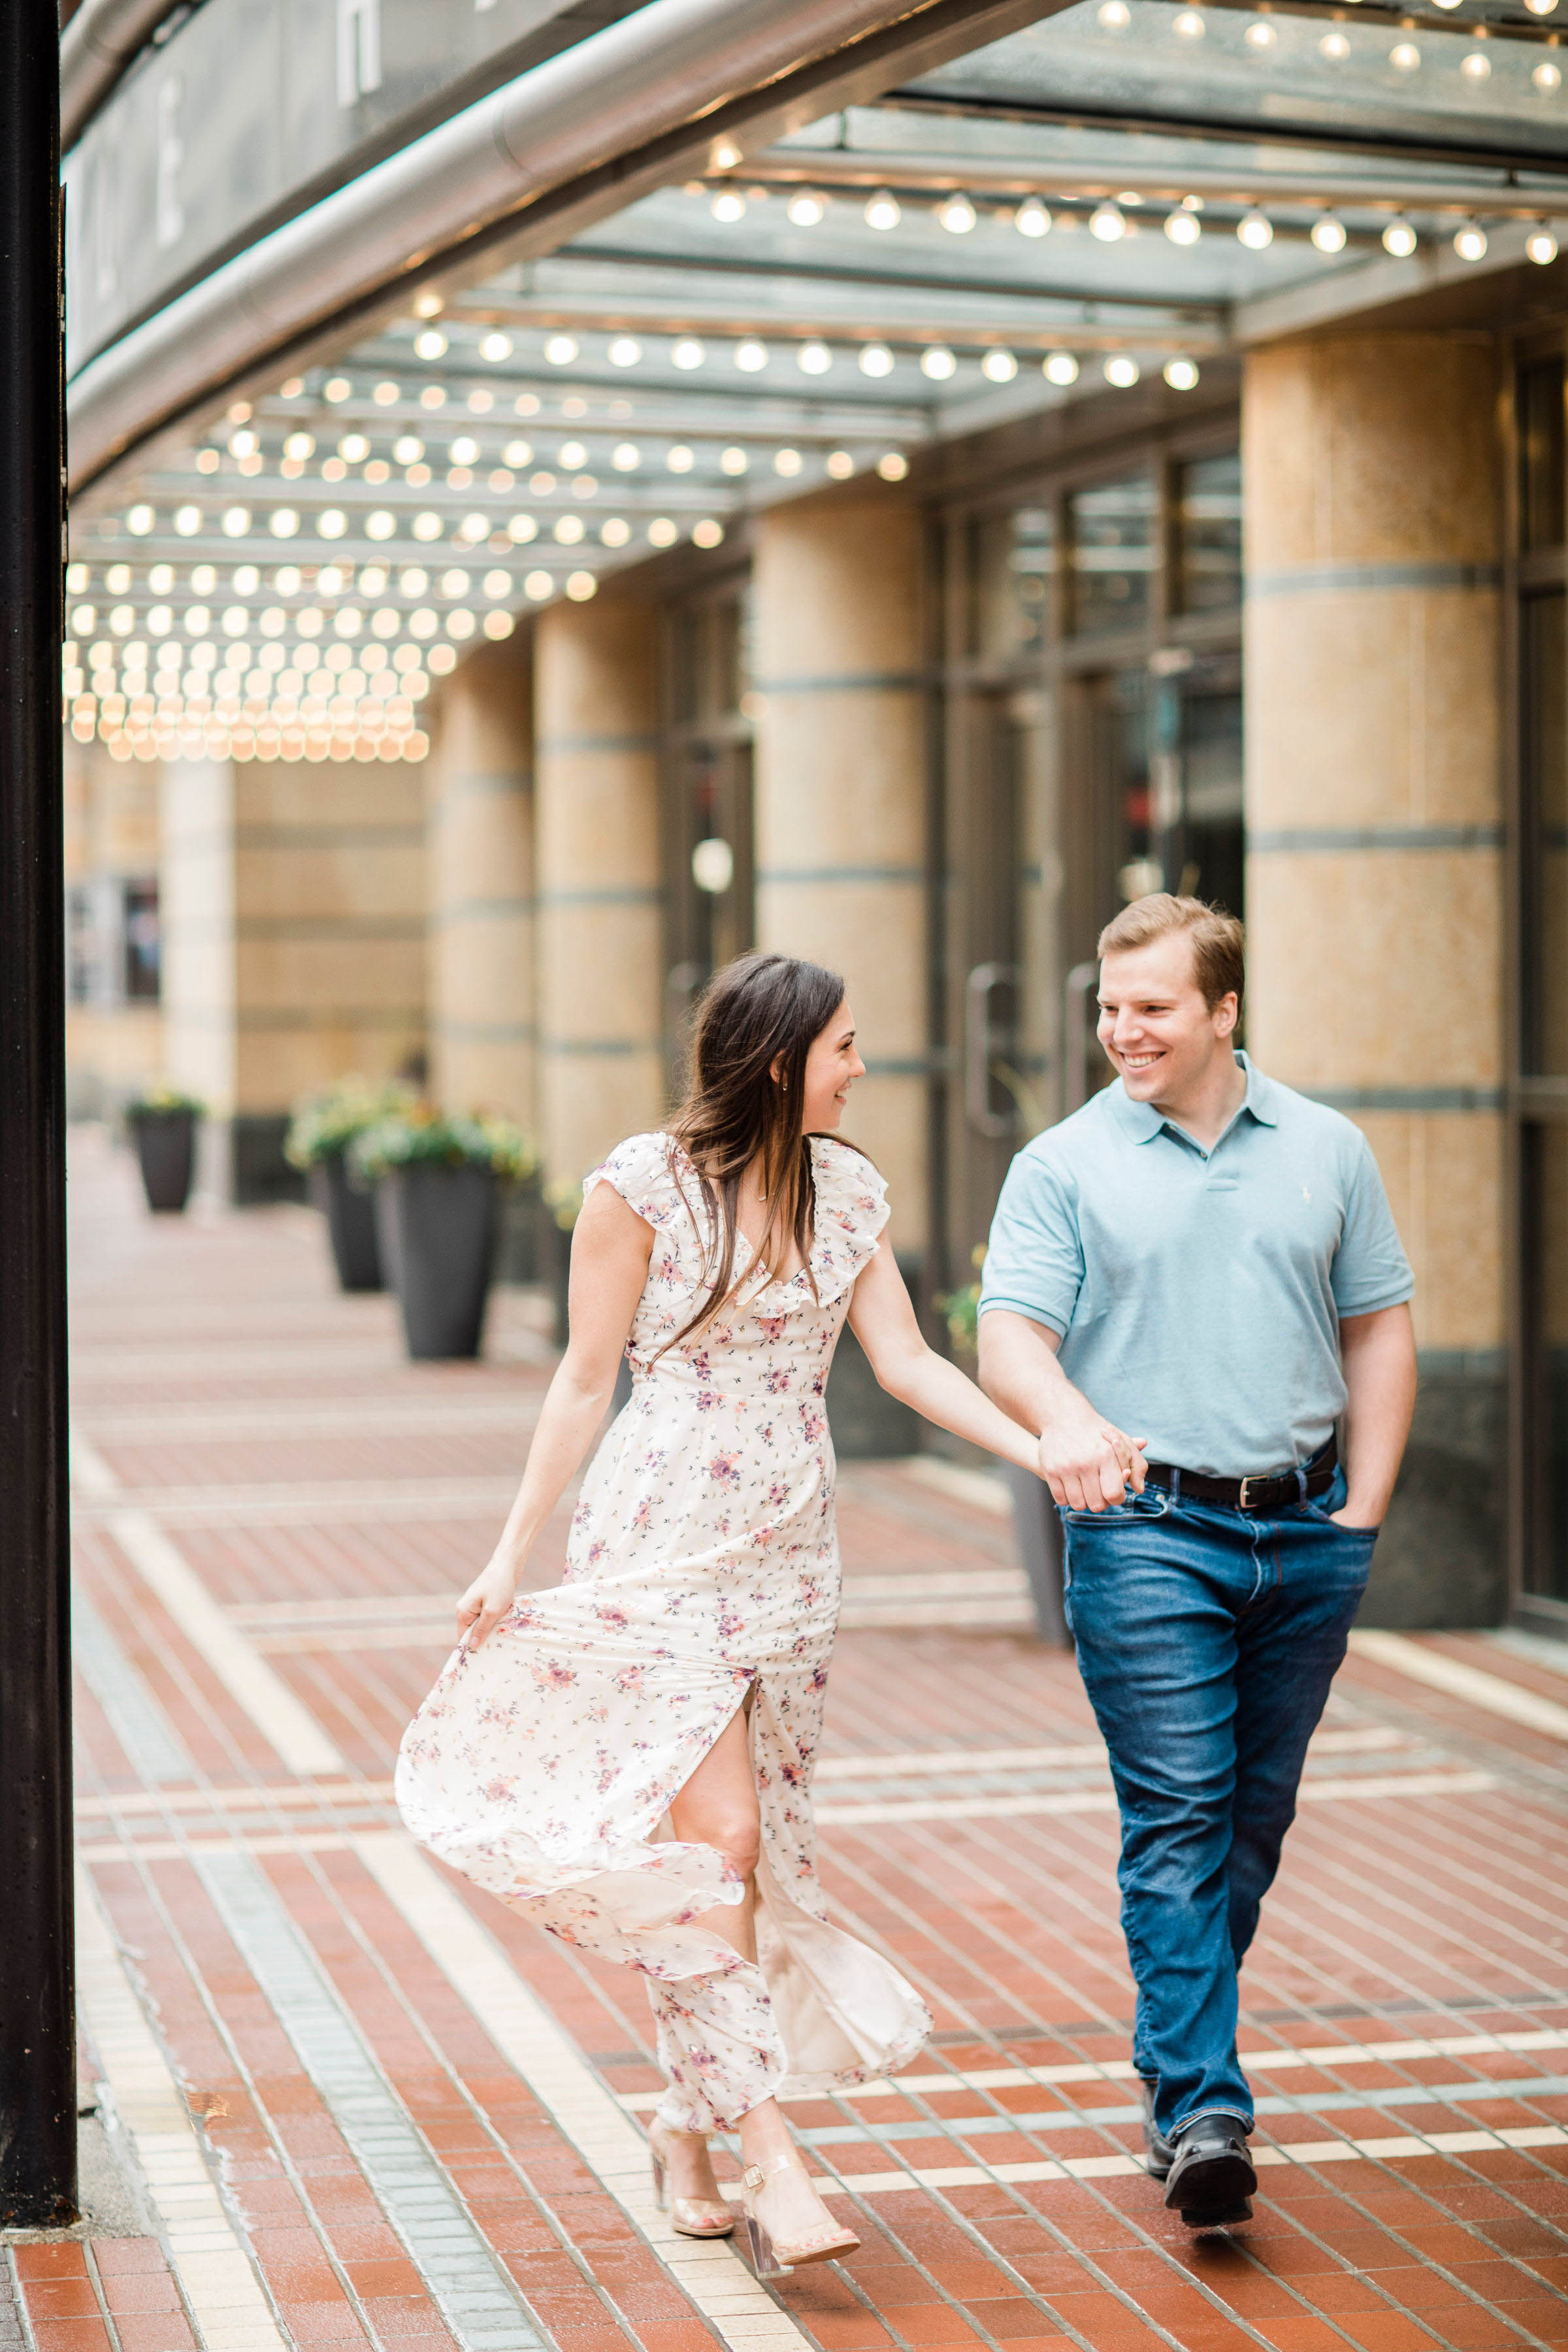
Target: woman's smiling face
(832,1068)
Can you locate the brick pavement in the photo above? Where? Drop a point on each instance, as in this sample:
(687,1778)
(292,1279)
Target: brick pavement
(370,2105)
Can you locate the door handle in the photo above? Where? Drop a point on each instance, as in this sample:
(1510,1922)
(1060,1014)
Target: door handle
(977,1044)
(1075,1076)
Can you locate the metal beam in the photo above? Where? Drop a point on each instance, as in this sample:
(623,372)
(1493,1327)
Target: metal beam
(96,47)
(573,140)
(37,2053)
(1167,183)
(1270,131)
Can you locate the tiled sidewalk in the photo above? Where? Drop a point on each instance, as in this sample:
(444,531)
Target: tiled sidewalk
(369,2106)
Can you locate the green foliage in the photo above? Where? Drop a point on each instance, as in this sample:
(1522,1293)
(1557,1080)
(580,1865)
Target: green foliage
(960,1311)
(161,1101)
(324,1125)
(420,1136)
(564,1199)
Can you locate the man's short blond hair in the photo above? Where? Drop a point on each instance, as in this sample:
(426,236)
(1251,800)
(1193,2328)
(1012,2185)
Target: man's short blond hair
(1219,963)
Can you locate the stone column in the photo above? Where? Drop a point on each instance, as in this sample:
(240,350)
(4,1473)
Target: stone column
(294,931)
(481,965)
(600,965)
(841,762)
(1374,886)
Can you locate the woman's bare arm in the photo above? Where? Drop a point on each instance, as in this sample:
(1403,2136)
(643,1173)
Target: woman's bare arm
(610,1251)
(882,1318)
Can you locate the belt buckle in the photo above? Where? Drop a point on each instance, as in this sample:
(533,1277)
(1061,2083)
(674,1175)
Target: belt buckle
(1243,1503)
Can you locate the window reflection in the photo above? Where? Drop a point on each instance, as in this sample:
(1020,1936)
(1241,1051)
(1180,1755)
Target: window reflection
(1113,553)
(1544,865)
(1013,559)
(1541,455)
(1208,533)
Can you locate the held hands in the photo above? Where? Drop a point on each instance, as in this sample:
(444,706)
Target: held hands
(486,1601)
(1088,1463)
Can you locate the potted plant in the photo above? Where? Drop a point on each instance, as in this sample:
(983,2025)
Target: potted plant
(323,1128)
(435,1177)
(1036,1526)
(162,1124)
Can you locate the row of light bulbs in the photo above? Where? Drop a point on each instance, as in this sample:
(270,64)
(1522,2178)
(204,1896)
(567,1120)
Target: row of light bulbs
(1108,223)
(1116,16)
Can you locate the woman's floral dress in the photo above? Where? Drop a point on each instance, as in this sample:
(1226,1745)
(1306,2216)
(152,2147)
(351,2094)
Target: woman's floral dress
(702,1566)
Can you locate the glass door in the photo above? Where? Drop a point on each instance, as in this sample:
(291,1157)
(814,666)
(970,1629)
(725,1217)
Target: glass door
(1002,974)
(709,887)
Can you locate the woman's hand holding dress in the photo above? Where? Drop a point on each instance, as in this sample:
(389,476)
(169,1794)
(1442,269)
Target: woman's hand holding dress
(610,1252)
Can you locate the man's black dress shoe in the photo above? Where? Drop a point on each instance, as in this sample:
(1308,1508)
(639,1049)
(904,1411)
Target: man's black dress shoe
(1211,2178)
(1158,2154)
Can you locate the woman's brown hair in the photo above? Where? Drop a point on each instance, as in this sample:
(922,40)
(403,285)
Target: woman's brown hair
(759,1013)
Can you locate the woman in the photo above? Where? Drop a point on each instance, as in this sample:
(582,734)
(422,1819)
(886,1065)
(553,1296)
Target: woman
(627,1758)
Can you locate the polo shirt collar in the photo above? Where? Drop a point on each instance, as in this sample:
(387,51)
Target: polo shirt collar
(1141,1122)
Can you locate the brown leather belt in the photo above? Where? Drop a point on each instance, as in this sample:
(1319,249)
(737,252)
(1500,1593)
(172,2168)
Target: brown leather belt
(1314,1478)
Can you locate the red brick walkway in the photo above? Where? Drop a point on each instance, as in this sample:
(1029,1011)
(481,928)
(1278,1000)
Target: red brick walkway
(372,2106)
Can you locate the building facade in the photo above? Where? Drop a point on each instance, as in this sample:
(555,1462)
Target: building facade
(1286,629)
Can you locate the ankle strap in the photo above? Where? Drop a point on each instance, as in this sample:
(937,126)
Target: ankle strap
(756,2175)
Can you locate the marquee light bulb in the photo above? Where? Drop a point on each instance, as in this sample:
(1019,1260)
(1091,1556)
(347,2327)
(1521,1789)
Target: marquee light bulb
(1470,242)
(1328,234)
(1181,374)
(1256,231)
(1032,219)
(882,210)
(957,214)
(1541,246)
(1183,228)
(806,208)
(1399,239)
(1059,368)
(1107,222)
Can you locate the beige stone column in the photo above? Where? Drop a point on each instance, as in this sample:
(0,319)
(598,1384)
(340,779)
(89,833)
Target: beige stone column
(841,757)
(600,966)
(1374,886)
(294,901)
(479,780)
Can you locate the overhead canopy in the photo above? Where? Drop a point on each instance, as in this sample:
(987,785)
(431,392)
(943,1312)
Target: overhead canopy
(1113,192)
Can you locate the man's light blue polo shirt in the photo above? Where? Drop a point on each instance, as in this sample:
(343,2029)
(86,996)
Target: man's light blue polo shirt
(1198,1293)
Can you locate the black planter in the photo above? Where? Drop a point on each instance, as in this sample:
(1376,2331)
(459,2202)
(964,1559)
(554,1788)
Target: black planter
(165,1148)
(436,1230)
(349,1213)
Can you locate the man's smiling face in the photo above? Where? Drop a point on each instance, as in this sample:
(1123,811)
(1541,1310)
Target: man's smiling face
(1157,1029)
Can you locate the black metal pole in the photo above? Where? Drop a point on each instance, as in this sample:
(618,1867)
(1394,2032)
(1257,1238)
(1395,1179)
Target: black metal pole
(37,2068)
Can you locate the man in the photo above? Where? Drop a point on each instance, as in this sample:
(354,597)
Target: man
(1189,1282)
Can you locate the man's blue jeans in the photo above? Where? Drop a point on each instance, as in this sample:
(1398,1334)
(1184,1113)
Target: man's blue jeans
(1208,1638)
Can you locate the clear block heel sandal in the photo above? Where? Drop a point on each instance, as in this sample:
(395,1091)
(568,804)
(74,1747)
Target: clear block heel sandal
(771,2259)
(693,2217)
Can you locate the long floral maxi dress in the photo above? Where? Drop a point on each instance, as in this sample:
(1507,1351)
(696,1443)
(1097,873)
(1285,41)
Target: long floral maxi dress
(703,1567)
